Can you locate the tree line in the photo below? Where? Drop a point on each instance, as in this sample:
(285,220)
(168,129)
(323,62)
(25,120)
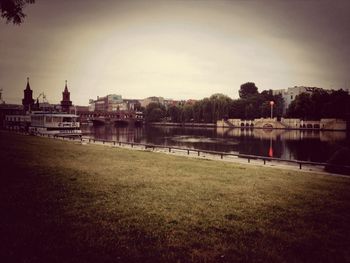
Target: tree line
(250,105)
(320,104)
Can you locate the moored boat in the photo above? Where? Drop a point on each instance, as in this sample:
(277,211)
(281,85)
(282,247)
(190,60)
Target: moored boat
(48,123)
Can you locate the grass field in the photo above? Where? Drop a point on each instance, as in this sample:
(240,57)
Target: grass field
(65,202)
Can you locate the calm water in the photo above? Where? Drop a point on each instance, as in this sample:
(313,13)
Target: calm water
(315,146)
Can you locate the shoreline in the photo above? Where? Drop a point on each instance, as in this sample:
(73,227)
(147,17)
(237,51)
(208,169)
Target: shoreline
(258,161)
(229,159)
(213,125)
(203,155)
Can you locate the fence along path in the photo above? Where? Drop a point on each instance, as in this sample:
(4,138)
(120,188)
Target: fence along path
(169,148)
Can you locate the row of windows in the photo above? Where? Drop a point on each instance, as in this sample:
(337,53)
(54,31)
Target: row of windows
(53,119)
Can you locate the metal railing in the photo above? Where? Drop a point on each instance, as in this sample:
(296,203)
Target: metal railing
(249,157)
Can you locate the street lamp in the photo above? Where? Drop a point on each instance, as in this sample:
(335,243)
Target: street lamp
(271,104)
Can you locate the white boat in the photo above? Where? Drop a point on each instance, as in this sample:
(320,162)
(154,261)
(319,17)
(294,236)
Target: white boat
(48,123)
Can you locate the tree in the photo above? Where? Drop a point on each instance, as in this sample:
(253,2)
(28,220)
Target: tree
(12,10)
(300,107)
(154,112)
(207,109)
(197,111)
(174,112)
(221,106)
(187,113)
(237,109)
(248,89)
(320,104)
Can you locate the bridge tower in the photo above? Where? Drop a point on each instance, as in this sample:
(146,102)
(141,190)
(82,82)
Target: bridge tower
(66,103)
(28,101)
(1,100)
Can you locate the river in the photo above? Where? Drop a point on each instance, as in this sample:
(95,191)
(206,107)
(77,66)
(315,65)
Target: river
(315,146)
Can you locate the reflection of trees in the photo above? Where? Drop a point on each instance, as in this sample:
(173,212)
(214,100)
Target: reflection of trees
(290,144)
(310,149)
(283,134)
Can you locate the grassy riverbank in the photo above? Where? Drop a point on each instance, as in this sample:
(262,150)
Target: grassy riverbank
(65,202)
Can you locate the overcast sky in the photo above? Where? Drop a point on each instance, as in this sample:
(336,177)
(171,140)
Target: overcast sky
(174,49)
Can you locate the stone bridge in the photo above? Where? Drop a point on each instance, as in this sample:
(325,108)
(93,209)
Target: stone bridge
(256,123)
(323,124)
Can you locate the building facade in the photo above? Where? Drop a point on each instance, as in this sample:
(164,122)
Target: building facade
(109,103)
(290,93)
(132,104)
(145,102)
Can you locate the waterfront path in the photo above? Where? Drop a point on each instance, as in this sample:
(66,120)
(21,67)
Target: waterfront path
(202,154)
(62,201)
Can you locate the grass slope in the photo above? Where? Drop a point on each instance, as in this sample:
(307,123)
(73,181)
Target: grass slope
(65,202)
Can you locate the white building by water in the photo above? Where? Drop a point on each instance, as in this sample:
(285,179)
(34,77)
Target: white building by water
(289,94)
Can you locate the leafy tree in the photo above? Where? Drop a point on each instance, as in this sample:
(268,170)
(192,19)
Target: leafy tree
(207,109)
(265,109)
(320,104)
(12,10)
(221,106)
(237,109)
(300,107)
(155,115)
(187,113)
(248,89)
(249,111)
(154,112)
(174,113)
(279,105)
(197,111)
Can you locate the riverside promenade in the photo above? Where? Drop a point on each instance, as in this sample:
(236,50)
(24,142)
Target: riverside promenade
(215,156)
(69,202)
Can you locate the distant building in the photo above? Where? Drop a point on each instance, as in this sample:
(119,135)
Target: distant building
(9,109)
(28,101)
(132,104)
(289,94)
(108,103)
(66,103)
(145,102)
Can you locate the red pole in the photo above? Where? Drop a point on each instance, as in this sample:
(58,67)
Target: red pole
(271,104)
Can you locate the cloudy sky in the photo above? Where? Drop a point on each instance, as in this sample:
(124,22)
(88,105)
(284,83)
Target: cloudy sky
(175,49)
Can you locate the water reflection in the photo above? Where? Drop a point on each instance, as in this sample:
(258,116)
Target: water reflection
(287,144)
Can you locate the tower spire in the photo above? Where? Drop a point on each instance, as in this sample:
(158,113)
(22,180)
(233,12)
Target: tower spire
(28,101)
(28,86)
(66,103)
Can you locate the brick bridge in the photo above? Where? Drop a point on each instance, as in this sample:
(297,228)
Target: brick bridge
(118,117)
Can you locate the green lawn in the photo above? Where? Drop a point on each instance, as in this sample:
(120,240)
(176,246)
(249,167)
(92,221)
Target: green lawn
(65,202)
